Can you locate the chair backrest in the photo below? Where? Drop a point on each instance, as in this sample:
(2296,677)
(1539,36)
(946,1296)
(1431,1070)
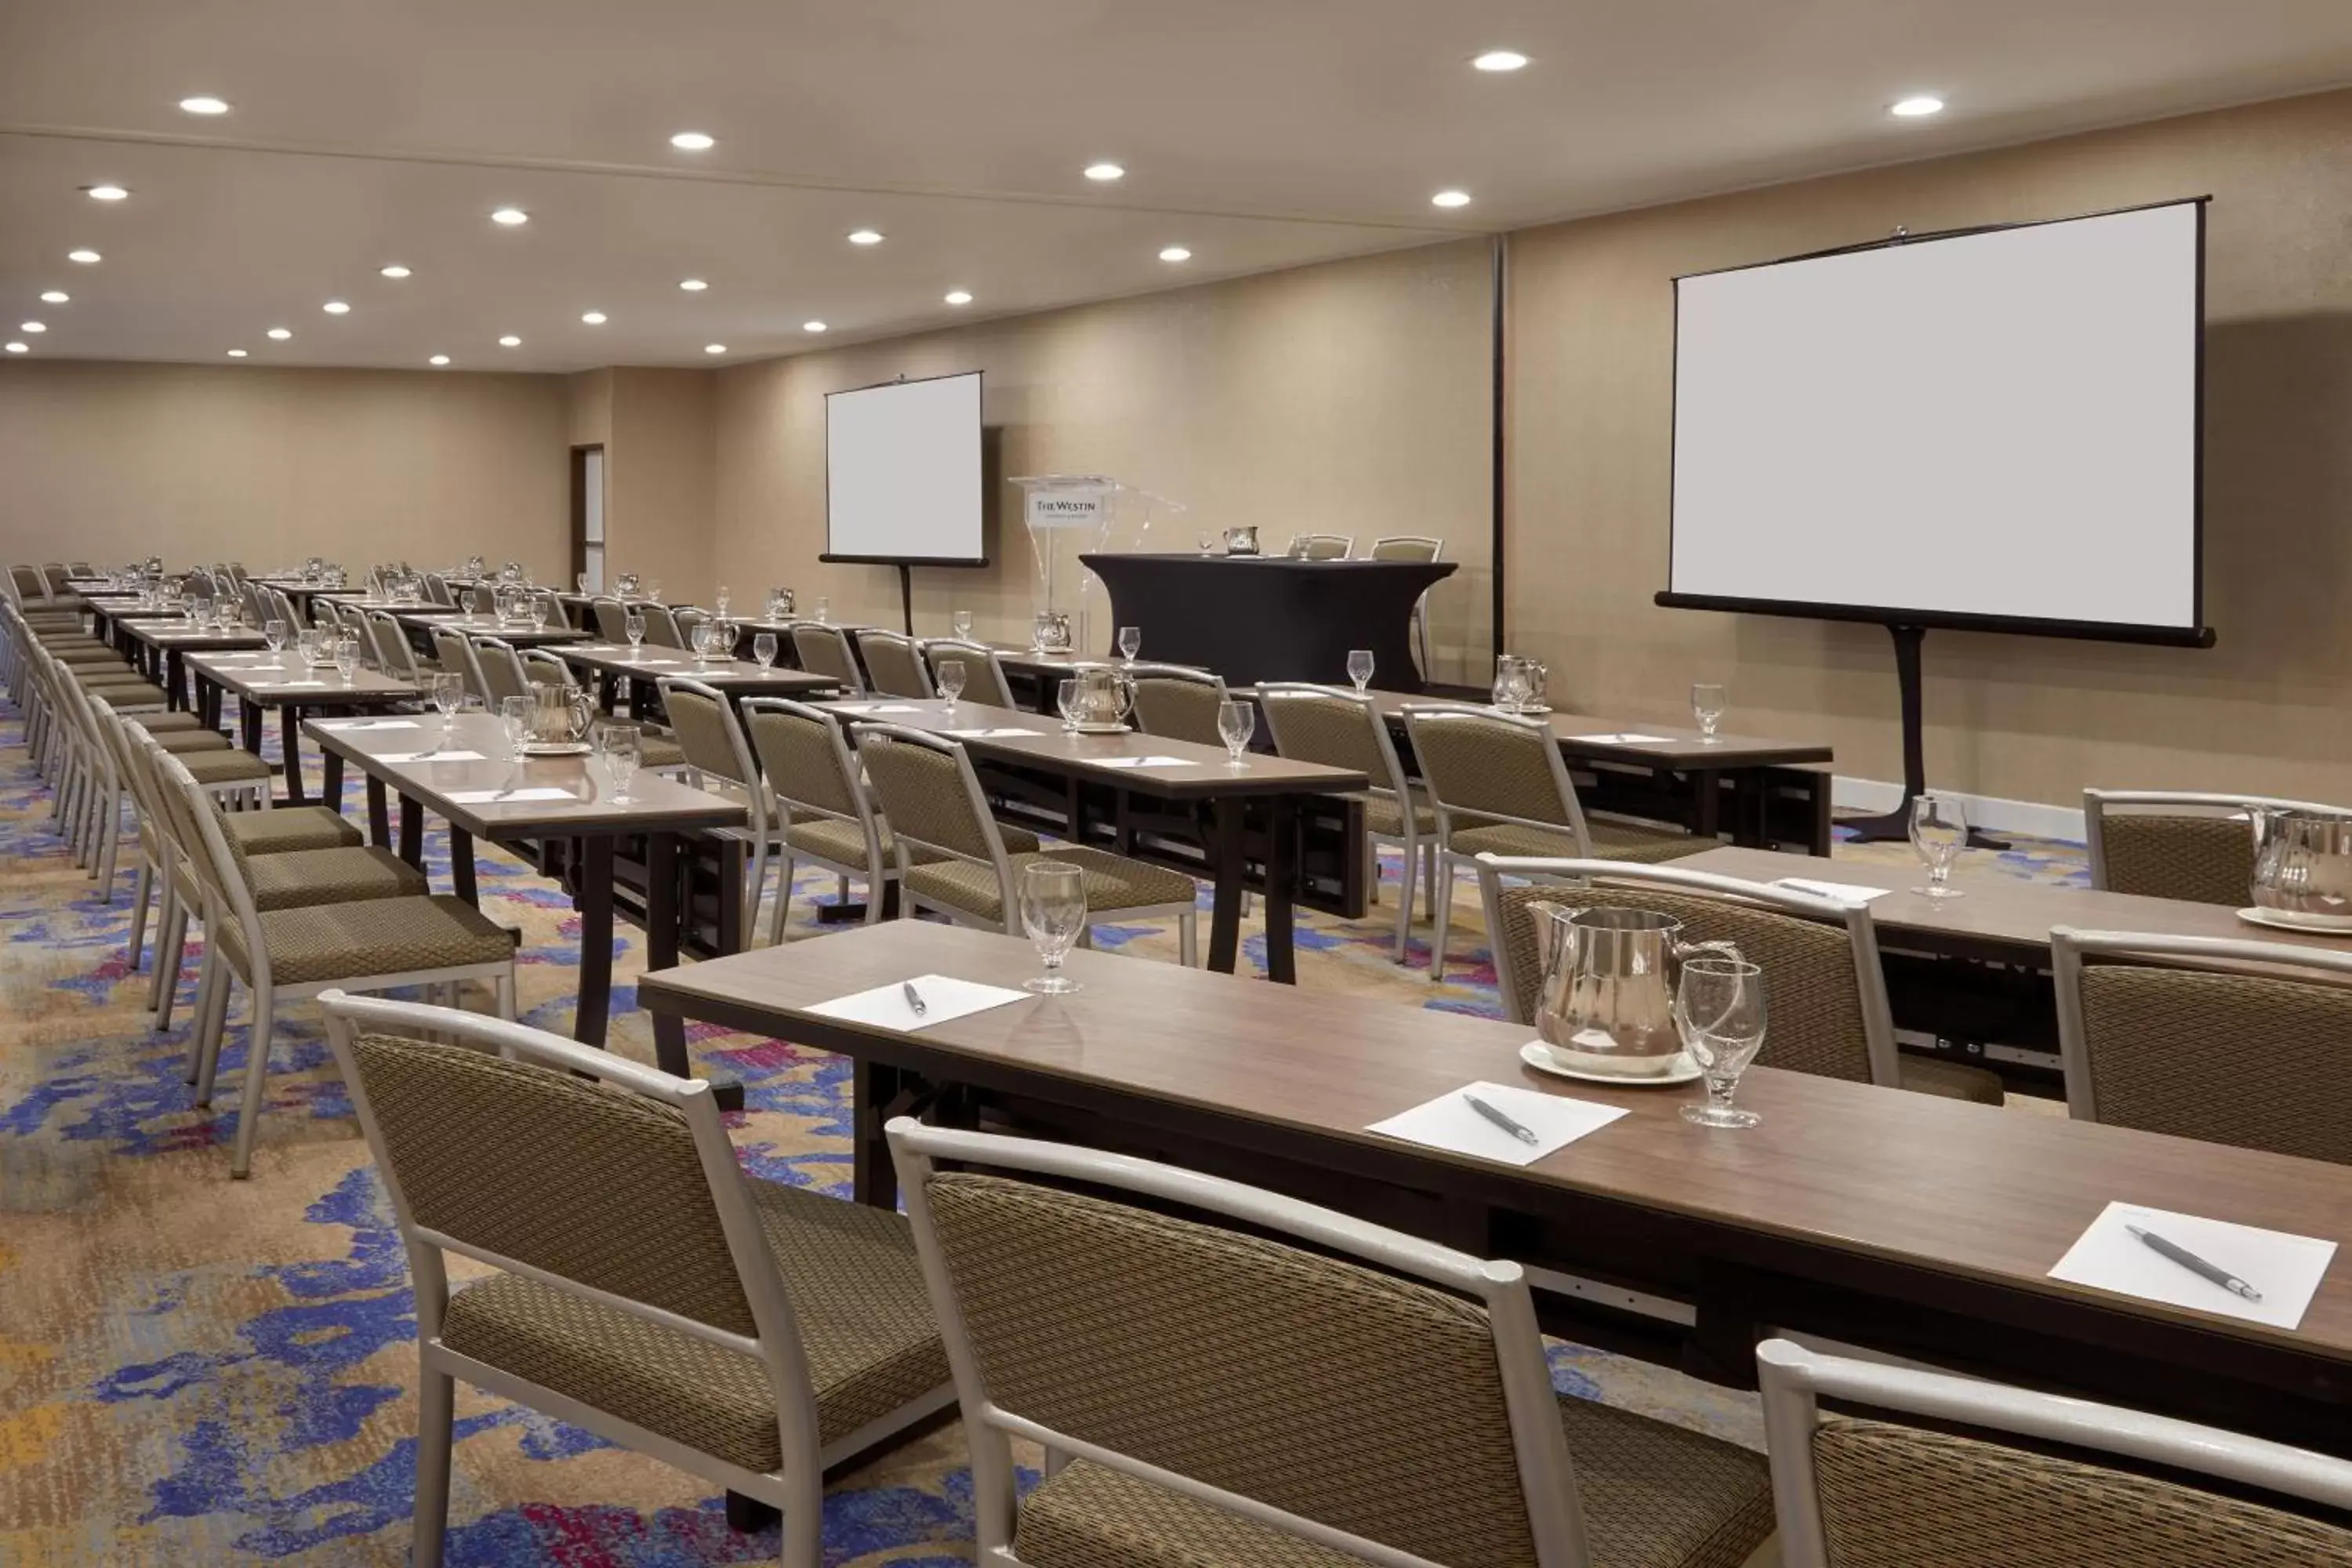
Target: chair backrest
(612,618)
(823,649)
(983,673)
(924,784)
(1367,1413)
(1407,547)
(1333,726)
(541,666)
(1178,702)
(661,626)
(894,664)
(500,1146)
(707,730)
(1322,546)
(1859,1491)
(500,671)
(54,575)
(804,756)
(2186,1042)
(193,821)
(1825,991)
(1493,767)
(457,656)
(436,588)
(394,653)
(2178,844)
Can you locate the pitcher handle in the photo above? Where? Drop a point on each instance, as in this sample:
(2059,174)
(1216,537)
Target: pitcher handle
(1685,950)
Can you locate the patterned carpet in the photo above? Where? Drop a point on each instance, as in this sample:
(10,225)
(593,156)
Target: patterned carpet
(196,1370)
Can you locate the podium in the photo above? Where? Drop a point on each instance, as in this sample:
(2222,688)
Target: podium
(1070,517)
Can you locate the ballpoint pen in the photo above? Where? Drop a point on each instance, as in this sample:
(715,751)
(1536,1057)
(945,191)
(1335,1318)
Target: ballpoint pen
(1523,1134)
(2196,1265)
(914,998)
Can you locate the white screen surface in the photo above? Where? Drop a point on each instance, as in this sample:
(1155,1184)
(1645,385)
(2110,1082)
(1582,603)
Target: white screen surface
(902,471)
(1998,425)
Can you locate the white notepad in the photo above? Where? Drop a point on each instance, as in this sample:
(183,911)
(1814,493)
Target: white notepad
(293,685)
(431,757)
(988,734)
(1144,762)
(2286,1268)
(876,707)
(1843,892)
(1449,1123)
(945,999)
(367,724)
(1624,738)
(510,796)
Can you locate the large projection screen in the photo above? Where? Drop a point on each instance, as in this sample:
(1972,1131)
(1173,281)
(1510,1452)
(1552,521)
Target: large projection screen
(902,473)
(1995,429)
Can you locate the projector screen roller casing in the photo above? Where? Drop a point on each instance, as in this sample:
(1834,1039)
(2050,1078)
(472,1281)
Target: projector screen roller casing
(903,482)
(1996,429)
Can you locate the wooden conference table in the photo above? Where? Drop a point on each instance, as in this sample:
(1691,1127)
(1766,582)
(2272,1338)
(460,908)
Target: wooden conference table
(486,796)
(263,682)
(1197,773)
(1912,1224)
(159,649)
(641,667)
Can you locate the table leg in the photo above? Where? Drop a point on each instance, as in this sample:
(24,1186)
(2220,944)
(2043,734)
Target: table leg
(874,1090)
(289,721)
(412,831)
(461,865)
(248,718)
(608,691)
(330,779)
(1232,877)
(379,813)
(1708,820)
(595,889)
(1281,877)
(173,674)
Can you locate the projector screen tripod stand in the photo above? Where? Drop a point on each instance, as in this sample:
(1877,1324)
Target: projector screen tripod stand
(1895,825)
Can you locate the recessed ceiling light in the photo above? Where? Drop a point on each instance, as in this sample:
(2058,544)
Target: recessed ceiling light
(1175,253)
(1917,107)
(693,142)
(866,236)
(1105,172)
(692,285)
(512,217)
(959,297)
(237,353)
(1499,60)
(205,105)
(104,193)
(812,326)
(592,318)
(1450,199)
(55,297)
(19,348)
(714,348)
(336,308)
(511,342)
(396,270)
(280,333)
(87,257)
(32,326)
(438,359)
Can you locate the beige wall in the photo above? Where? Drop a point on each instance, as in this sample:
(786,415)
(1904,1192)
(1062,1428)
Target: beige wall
(108,462)
(2028,718)
(659,480)
(1344,398)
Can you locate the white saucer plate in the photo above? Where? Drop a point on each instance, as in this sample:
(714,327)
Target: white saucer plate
(1684,1070)
(2289,920)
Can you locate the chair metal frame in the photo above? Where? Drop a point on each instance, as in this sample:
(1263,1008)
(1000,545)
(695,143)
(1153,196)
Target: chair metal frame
(797,1485)
(2096,802)
(971,652)
(1420,855)
(911,647)
(1794,1381)
(1546,1474)
(839,636)
(761,831)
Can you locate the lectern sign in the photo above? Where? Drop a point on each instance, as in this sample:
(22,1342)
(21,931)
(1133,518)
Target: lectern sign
(1068,508)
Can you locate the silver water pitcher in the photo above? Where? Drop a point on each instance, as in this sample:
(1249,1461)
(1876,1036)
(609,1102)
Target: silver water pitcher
(2303,864)
(1242,540)
(1607,1003)
(1050,632)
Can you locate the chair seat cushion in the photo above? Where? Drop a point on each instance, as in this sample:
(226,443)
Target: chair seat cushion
(855,1287)
(1953,1080)
(191,742)
(234,766)
(383,936)
(655,752)
(1653,1496)
(335,876)
(1114,884)
(166,723)
(1384,814)
(133,693)
(1609,839)
(842,843)
(287,827)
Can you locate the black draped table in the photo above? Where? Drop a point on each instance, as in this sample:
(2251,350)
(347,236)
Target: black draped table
(1255,618)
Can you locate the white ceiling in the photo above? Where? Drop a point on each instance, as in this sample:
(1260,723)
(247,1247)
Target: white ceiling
(1261,133)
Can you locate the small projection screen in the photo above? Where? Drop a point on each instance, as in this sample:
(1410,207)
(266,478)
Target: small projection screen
(1996,429)
(902,473)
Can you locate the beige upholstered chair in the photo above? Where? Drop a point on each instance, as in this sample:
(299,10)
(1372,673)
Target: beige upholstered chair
(1414,547)
(1341,729)
(1825,988)
(611,618)
(1177,701)
(894,664)
(455,655)
(1499,786)
(394,653)
(1322,546)
(984,671)
(1236,1401)
(499,670)
(286,954)
(2183,1042)
(656,752)
(661,626)
(1856,1490)
(2178,844)
(926,786)
(824,648)
(719,760)
(642,1287)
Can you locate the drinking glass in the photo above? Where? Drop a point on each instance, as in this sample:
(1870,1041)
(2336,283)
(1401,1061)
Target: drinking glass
(347,657)
(619,748)
(636,625)
(1360,667)
(1719,1013)
(1939,831)
(1237,722)
(273,631)
(1065,701)
(823,612)
(1053,912)
(1514,685)
(763,648)
(652,590)
(514,715)
(950,680)
(580,582)
(1707,703)
(546,605)
(1207,544)
(699,641)
(961,622)
(1130,642)
(448,695)
(719,601)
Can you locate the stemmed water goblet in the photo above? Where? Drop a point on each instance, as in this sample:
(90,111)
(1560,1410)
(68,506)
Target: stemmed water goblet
(1236,722)
(961,622)
(1707,705)
(763,648)
(1939,831)
(1130,642)
(1053,913)
(635,627)
(619,749)
(1719,1014)
(449,692)
(950,674)
(1066,702)
(273,631)
(1360,667)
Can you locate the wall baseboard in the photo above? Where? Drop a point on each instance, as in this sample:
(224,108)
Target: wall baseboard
(1991,812)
